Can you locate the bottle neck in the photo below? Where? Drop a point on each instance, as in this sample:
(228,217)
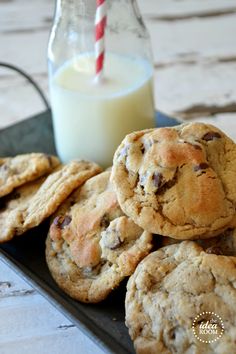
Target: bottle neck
(81,8)
(73,31)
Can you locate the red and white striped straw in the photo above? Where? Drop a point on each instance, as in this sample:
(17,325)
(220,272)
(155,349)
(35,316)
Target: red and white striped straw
(100,26)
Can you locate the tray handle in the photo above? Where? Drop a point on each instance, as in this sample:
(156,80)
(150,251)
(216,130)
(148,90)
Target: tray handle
(29,79)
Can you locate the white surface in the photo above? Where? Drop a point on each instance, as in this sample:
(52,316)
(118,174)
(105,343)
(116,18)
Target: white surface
(195,60)
(30,324)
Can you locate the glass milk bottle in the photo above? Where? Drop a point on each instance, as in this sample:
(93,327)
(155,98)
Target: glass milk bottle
(93,110)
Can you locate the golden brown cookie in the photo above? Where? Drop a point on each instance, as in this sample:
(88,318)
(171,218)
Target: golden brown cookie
(16,171)
(27,206)
(178,181)
(175,290)
(92,246)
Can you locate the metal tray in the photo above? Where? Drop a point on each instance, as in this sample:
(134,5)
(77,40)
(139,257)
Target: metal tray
(103,323)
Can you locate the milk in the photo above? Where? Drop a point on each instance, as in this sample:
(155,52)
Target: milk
(90,119)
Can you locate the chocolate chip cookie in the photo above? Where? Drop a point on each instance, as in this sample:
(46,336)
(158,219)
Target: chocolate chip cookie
(16,171)
(224,244)
(27,206)
(171,290)
(92,246)
(178,181)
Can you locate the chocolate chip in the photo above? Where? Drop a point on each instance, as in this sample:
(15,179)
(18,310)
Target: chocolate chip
(214,250)
(201,166)
(105,221)
(115,244)
(197,147)
(157,179)
(111,239)
(211,136)
(72,203)
(142,149)
(172,334)
(62,221)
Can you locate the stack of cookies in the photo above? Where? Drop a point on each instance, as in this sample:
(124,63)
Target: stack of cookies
(180,184)
(166,187)
(164,215)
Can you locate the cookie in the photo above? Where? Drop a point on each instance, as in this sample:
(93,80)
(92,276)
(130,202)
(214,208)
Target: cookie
(169,289)
(92,246)
(27,206)
(224,244)
(16,171)
(178,181)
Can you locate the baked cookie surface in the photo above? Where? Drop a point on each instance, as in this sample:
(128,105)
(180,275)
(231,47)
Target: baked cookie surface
(92,246)
(169,289)
(16,171)
(27,206)
(177,181)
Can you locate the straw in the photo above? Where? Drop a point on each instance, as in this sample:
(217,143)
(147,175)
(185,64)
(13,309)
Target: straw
(100,26)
